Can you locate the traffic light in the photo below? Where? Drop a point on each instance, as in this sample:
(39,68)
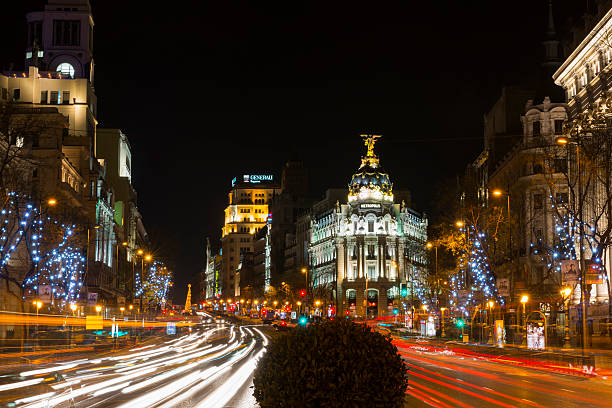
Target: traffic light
(303,292)
(459,323)
(303,320)
(403,290)
(395,311)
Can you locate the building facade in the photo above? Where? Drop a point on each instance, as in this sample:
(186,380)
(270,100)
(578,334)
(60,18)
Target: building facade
(247,213)
(586,77)
(361,251)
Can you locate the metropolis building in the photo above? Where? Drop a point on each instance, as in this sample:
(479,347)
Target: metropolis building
(366,248)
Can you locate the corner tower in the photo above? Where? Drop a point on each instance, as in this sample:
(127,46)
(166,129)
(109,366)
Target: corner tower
(60,39)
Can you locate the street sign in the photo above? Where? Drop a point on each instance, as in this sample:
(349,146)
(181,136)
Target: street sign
(293,315)
(593,273)
(44,293)
(170,328)
(503,286)
(569,272)
(92,298)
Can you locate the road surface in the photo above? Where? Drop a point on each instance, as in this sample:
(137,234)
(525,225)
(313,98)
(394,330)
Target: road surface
(444,378)
(210,367)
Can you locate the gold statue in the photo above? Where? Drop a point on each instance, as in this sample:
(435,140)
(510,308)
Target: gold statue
(369,141)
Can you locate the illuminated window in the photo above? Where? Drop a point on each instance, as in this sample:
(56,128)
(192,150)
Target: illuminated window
(558,126)
(66,69)
(536,128)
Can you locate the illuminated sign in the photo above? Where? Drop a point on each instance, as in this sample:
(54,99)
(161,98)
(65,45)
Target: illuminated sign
(257,178)
(233,181)
(370,205)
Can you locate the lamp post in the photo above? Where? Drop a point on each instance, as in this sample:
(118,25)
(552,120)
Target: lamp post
(442,309)
(499,193)
(524,300)
(98,309)
(490,305)
(566,297)
(38,304)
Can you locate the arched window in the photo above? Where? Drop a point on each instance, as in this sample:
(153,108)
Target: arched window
(66,69)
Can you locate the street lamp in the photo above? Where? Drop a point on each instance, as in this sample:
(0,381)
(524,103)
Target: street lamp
(499,193)
(98,309)
(442,309)
(52,202)
(524,299)
(566,297)
(459,224)
(490,305)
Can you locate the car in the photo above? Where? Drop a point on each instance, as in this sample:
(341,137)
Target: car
(281,326)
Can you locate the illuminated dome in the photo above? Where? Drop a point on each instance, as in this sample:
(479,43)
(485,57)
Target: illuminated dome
(371,182)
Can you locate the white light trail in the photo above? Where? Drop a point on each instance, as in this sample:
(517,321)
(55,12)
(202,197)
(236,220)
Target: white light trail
(21,384)
(34,398)
(64,385)
(231,386)
(48,370)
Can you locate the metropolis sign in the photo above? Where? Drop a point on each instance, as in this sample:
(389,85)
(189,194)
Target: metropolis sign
(370,205)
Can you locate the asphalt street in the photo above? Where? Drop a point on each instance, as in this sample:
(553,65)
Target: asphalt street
(210,367)
(444,378)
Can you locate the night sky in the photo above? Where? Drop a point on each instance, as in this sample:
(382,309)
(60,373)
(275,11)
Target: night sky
(207,91)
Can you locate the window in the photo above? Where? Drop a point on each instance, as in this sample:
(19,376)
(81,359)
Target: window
(66,97)
(538,201)
(370,226)
(561,198)
(66,69)
(16,94)
(35,32)
(596,67)
(560,166)
(559,126)
(55,97)
(66,32)
(44,95)
(536,128)
(537,168)
(4,93)
(371,271)
(371,251)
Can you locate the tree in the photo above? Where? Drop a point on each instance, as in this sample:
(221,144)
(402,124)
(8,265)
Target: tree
(473,234)
(333,364)
(579,176)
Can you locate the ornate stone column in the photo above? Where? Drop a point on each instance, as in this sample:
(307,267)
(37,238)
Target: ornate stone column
(340,275)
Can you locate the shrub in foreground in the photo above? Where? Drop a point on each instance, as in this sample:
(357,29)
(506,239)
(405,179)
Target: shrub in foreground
(331,364)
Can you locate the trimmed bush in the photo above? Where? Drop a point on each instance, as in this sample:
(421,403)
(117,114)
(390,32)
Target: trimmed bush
(332,364)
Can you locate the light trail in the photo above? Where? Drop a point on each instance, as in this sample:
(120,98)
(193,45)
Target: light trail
(138,378)
(230,387)
(20,384)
